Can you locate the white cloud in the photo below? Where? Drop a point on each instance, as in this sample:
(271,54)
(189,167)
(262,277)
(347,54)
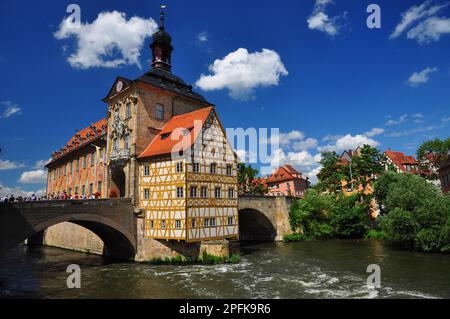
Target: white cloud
(11,109)
(34,177)
(242,72)
(202,37)
(417,118)
(402,119)
(414,131)
(430,30)
(319,19)
(374,132)
(17,191)
(110,41)
(40,164)
(6,165)
(422,77)
(348,142)
(416,13)
(305,144)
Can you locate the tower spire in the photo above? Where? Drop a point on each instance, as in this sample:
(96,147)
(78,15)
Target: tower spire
(162,46)
(161,17)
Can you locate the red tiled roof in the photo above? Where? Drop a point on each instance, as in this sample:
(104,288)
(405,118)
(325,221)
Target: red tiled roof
(82,138)
(283,173)
(165,141)
(400,159)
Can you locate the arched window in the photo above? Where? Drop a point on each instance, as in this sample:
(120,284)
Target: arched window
(159,112)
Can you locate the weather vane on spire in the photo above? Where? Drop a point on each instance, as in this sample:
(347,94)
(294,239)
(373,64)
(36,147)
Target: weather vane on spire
(161,24)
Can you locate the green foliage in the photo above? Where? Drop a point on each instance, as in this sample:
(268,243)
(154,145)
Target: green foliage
(330,216)
(205,259)
(417,214)
(376,234)
(367,165)
(350,217)
(312,214)
(246,177)
(208,259)
(439,150)
(362,169)
(332,173)
(294,238)
(381,188)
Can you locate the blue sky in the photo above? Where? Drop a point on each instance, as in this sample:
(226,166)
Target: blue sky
(326,80)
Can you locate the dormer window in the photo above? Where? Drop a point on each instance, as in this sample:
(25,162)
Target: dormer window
(165,136)
(159,112)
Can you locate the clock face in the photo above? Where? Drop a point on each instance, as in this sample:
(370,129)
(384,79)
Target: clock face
(119,86)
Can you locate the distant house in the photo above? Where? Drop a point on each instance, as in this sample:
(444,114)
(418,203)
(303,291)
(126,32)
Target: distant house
(444,176)
(285,181)
(402,163)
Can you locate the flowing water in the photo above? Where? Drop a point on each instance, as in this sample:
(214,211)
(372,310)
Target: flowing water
(322,269)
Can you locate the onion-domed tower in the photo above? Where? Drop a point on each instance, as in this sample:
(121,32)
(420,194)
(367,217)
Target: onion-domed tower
(162,47)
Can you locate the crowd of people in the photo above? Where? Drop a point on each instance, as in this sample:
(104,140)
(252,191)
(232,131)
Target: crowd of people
(61,196)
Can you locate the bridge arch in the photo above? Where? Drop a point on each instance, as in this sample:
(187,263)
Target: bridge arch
(255,226)
(111,221)
(264,218)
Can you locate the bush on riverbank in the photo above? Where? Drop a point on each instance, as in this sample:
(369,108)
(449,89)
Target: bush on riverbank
(417,214)
(324,216)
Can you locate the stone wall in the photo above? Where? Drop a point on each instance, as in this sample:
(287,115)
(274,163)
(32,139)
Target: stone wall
(73,237)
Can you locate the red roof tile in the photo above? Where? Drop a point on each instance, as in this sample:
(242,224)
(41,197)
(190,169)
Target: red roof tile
(283,173)
(400,159)
(165,141)
(82,138)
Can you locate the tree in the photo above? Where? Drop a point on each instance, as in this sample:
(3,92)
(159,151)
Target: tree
(332,173)
(311,215)
(367,165)
(433,154)
(417,214)
(381,188)
(246,179)
(350,217)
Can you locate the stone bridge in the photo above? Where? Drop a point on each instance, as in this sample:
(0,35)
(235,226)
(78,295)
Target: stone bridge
(113,220)
(263,218)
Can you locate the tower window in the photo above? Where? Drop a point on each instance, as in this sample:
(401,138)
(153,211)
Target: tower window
(128,111)
(177,224)
(230,221)
(180,167)
(93,159)
(146,170)
(146,193)
(229,170)
(159,112)
(127,141)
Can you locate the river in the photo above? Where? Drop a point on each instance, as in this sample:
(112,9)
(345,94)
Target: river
(322,269)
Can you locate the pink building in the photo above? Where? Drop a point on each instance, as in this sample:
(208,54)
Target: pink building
(285,181)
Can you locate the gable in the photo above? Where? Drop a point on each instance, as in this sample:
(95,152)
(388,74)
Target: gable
(120,85)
